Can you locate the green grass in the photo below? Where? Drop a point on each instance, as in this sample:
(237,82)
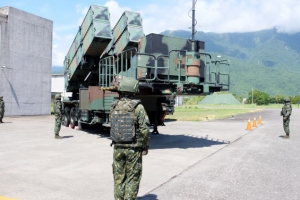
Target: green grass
(200,112)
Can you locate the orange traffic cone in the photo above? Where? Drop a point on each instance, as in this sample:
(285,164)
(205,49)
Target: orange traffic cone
(248,125)
(260,120)
(254,122)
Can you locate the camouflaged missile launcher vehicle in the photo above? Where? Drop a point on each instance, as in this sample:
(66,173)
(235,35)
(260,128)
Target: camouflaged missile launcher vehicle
(165,67)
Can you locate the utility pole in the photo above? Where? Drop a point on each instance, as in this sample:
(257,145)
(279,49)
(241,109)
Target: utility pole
(252,95)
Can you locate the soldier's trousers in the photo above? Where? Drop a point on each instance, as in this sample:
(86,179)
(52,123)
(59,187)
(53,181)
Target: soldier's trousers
(127,171)
(57,124)
(1,115)
(286,125)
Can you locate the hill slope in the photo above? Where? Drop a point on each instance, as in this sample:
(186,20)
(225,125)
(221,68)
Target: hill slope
(265,60)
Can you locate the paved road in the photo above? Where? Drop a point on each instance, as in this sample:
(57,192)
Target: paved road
(259,165)
(188,160)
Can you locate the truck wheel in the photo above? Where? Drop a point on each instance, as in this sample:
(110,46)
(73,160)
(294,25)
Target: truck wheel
(67,117)
(73,120)
(80,125)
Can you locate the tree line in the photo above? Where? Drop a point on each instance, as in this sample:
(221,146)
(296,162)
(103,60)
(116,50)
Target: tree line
(262,98)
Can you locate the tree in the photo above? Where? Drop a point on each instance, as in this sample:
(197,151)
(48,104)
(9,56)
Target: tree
(278,99)
(295,99)
(259,98)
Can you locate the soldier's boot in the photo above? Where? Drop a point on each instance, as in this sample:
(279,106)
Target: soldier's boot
(57,137)
(286,136)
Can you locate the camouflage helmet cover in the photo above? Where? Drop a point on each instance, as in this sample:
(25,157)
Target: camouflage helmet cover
(286,99)
(57,96)
(1,97)
(128,85)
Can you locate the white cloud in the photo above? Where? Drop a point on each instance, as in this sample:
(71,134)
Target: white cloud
(60,48)
(115,11)
(62,43)
(212,16)
(224,16)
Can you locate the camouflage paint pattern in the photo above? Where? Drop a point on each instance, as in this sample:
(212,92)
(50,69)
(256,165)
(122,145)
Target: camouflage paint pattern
(170,59)
(2,108)
(126,33)
(142,124)
(86,46)
(127,172)
(127,158)
(165,66)
(58,116)
(286,113)
(100,99)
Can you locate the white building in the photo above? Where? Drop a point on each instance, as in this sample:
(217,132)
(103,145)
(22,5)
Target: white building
(57,85)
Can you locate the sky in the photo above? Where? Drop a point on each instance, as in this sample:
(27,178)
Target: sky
(219,16)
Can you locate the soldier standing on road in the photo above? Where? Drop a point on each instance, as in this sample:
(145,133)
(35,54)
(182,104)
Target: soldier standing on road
(58,115)
(286,113)
(2,109)
(130,137)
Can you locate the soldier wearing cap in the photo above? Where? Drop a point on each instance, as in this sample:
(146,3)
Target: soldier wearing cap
(2,109)
(286,113)
(130,137)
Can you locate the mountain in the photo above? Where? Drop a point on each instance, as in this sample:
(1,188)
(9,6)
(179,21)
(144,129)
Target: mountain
(57,70)
(264,60)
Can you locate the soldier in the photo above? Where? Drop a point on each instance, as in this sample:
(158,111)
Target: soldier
(286,113)
(130,137)
(58,115)
(2,109)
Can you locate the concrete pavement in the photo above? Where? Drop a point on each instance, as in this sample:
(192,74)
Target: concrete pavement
(188,160)
(259,165)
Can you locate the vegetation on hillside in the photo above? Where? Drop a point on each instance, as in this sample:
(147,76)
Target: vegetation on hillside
(266,60)
(254,97)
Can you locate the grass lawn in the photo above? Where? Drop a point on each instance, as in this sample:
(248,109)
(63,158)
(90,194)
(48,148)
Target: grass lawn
(200,112)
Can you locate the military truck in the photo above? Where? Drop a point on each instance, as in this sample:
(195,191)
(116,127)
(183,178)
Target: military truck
(166,67)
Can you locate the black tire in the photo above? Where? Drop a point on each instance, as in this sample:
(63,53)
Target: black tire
(73,118)
(80,125)
(66,119)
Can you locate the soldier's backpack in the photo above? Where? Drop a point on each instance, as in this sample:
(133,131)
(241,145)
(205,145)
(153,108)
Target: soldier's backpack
(123,122)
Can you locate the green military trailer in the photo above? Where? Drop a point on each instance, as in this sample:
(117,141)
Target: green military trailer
(165,66)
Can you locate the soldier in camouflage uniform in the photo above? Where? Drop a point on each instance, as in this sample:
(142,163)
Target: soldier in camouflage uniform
(2,109)
(58,115)
(286,113)
(130,137)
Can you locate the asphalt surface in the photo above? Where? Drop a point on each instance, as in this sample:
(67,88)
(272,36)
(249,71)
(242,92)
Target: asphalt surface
(187,160)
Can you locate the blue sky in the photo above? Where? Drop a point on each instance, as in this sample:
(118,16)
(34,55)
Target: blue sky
(218,16)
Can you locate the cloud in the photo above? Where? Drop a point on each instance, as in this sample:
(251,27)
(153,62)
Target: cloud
(218,16)
(62,43)
(60,48)
(116,11)
(224,16)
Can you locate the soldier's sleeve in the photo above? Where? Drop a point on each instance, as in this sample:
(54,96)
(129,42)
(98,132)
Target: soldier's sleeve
(143,124)
(289,110)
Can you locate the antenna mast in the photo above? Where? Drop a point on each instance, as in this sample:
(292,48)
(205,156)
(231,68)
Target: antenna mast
(193,25)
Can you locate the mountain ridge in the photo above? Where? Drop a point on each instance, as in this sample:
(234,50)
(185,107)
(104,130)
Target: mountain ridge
(264,60)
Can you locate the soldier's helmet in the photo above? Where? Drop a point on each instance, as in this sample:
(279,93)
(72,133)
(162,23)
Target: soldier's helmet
(1,97)
(130,85)
(58,96)
(286,99)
